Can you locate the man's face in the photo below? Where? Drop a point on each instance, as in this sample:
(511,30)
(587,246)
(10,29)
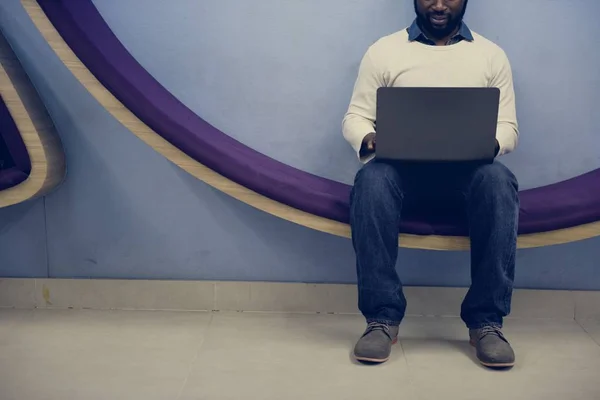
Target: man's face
(440,17)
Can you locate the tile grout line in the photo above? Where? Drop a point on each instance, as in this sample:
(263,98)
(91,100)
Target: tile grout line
(587,332)
(215,294)
(35,288)
(574,301)
(409,369)
(262,312)
(46,237)
(196,357)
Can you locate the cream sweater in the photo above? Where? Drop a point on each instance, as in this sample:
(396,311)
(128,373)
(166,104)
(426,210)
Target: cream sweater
(395,61)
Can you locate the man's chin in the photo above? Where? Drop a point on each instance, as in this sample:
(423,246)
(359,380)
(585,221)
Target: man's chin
(440,32)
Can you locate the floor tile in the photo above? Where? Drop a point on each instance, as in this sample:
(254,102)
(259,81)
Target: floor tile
(587,305)
(290,357)
(10,318)
(99,354)
(556,359)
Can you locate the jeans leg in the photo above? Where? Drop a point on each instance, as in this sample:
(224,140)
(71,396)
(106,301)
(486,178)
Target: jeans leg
(375,210)
(493,211)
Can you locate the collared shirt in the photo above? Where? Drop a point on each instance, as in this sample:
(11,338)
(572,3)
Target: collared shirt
(415,33)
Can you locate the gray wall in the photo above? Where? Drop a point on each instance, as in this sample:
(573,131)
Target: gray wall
(277,76)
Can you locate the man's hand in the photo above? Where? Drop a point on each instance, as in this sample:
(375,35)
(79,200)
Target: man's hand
(368,145)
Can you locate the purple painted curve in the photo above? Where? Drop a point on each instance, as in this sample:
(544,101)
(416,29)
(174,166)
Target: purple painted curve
(15,164)
(563,205)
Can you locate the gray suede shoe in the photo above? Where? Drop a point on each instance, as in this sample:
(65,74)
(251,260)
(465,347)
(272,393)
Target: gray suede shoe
(375,345)
(493,350)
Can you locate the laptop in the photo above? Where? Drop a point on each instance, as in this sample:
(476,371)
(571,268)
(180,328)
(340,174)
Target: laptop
(437,124)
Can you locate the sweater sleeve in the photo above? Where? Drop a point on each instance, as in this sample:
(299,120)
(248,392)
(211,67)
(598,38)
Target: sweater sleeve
(359,121)
(507,132)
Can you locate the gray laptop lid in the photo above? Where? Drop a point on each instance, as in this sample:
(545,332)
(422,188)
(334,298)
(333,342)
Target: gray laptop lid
(437,124)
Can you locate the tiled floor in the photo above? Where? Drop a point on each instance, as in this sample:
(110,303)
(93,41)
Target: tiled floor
(167,355)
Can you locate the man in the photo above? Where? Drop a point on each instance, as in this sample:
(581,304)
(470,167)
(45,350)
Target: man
(437,50)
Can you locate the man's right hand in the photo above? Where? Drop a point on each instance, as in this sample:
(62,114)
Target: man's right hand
(368,145)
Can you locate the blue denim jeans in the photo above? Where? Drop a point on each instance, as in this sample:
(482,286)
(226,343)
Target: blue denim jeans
(485,194)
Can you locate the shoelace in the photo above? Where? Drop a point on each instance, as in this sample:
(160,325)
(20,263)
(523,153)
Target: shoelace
(490,330)
(377,326)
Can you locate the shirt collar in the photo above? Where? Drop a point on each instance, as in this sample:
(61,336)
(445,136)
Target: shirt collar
(414,31)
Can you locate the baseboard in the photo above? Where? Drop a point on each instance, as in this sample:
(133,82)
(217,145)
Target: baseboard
(268,297)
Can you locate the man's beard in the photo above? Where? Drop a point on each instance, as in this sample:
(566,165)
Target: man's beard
(424,22)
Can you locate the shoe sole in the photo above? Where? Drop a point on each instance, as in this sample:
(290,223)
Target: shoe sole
(374,360)
(493,365)
(497,366)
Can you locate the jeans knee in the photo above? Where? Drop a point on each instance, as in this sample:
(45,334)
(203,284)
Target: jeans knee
(377,181)
(496,178)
